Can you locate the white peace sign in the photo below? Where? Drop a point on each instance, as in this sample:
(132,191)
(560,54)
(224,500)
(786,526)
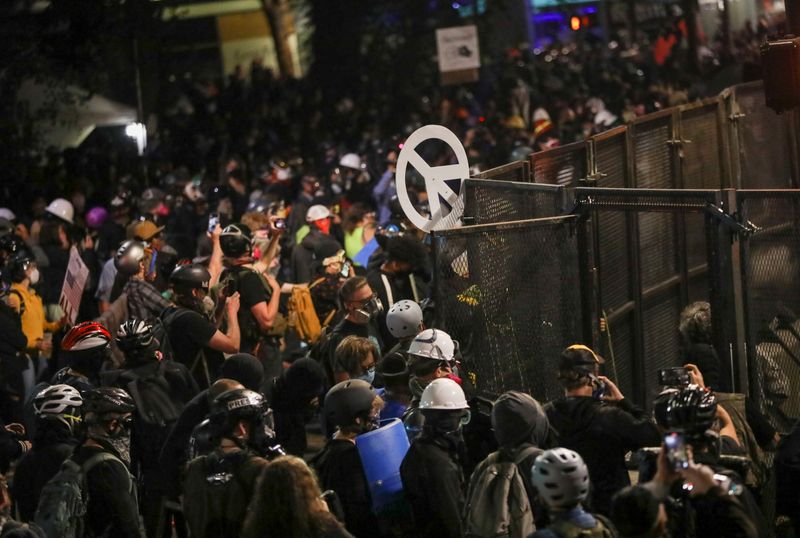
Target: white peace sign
(435,176)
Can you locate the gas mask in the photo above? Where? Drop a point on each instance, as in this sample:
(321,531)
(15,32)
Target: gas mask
(369,310)
(118,441)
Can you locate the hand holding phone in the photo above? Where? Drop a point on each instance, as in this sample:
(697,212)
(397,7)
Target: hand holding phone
(213,222)
(677,454)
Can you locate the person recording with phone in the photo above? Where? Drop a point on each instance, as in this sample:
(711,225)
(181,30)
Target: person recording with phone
(594,419)
(331,269)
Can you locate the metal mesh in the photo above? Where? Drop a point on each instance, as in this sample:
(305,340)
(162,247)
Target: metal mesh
(657,249)
(764,141)
(512,317)
(661,342)
(610,158)
(619,350)
(771,268)
(516,171)
(653,157)
(565,165)
(499,201)
(701,148)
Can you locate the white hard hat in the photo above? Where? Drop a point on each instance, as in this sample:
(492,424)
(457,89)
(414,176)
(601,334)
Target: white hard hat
(6,213)
(561,477)
(433,344)
(317,212)
(404,318)
(350,160)
(62,209)
(443,394)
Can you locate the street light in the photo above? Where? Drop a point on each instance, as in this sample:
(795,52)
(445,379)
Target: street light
(138,132)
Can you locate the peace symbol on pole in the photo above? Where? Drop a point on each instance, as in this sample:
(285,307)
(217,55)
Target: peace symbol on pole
(434,176)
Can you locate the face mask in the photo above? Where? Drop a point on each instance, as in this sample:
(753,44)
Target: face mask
(368,376)
(34,276)
(118,442)
(324,225)
(417,387)
(208,306)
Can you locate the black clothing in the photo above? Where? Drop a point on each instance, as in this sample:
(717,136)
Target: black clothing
(189,334)
(400,288)
(338,466)
(720,515)
(66,377)
(434,487)
(290,397)
(704,356)
(602,433)
(109,238)
(787,474)
(253,289)
(113,509)
(12,363)
(174,452)
(51,447)
(303,255)
(53,274)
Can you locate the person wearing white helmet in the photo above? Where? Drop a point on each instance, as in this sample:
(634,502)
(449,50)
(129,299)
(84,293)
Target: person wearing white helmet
(59,425)
(318,219)
(350,178)
(561,478)
(62,209)
(431,356)
(404,322)
(431,471)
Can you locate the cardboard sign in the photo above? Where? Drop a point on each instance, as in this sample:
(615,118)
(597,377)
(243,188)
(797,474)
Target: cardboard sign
(457,48)
(74,282)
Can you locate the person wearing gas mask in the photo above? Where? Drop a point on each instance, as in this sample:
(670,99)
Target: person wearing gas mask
(59,426)
(595,420)
(194,338)
(431,356)
(259,294)
(362,307)
(431,471)
(219,486)
(353,408)
(85,347)
(112,509)
(394,281)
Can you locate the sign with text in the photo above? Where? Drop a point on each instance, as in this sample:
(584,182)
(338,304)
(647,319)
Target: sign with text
(457,48)
(74,282)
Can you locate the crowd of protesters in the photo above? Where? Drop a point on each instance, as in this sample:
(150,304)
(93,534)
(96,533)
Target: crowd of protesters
(261,284)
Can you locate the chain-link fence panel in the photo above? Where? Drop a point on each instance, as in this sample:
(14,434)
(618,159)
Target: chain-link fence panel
(652,152)
(511,315)
(771,264)
(564,165)
(610,158)
(701,146)
(516,171)
(488,201)
(764,139)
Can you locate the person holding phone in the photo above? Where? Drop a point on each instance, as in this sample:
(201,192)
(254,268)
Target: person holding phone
(594,419)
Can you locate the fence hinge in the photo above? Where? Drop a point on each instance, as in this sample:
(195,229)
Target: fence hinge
(733,222)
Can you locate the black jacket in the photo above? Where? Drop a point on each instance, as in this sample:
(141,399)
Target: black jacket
(339,468)
(303,255)
(602,433)
(434,487)
(174,453)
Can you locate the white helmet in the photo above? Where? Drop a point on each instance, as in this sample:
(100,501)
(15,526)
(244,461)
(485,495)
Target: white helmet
(317,212)
(561,477)
(443,394)
(62,209)
(433,344)
(404,318)
(350,160)
(6,213)
(57,399)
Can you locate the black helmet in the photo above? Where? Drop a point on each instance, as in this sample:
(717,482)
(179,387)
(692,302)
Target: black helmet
(190,276)
(135,338)
(347,401)
(690,410)
(128,257)
(235,240)
(103,400)
(10,244)
(234,405)
(18,265)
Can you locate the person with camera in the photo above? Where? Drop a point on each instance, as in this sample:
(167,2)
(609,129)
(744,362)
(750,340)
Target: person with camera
(595,420)
(219,486)
(194,338)
(145,302)
(260,298)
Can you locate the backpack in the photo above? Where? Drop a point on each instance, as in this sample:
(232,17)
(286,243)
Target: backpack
(566,529)
(302,314)
(64,499)
(161,330)
(249,327)
(497,503)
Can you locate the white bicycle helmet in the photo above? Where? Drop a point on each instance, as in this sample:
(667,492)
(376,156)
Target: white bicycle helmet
(443,394)
(57,400)
(561,477)
(404,318)
(433,344)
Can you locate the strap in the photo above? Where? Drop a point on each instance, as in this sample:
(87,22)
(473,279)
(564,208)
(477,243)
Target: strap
(97,459)
(317,282)
(21,300)
(329,317)
(388,288)
(525,453)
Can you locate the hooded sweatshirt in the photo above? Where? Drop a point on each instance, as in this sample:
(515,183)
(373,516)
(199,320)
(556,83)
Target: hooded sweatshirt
(602,433)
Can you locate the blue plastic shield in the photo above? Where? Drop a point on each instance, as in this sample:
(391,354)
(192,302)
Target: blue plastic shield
(382,451)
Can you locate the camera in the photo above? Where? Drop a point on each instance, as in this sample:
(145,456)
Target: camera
(677,455)
(674,377)
(280,224)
